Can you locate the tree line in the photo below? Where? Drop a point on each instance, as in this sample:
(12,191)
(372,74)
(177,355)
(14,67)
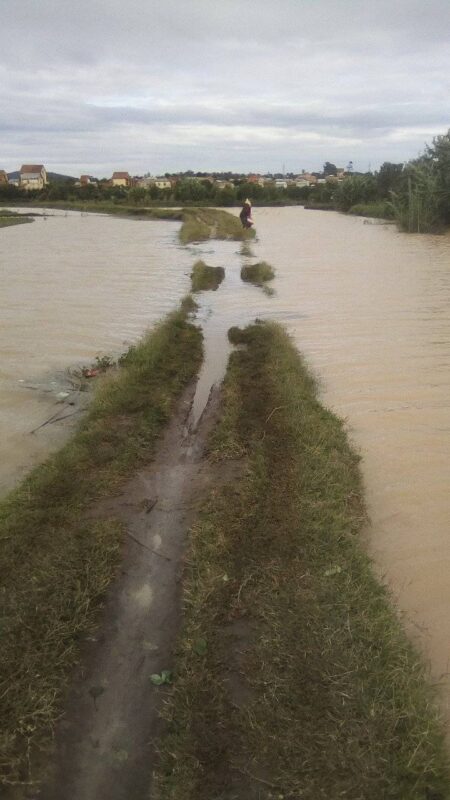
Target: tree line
(415,194)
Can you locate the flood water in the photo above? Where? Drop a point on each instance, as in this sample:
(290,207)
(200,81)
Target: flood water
(368,306)
(73,287)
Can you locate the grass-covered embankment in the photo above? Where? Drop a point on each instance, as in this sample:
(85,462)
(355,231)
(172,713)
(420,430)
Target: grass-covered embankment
(294,677)
(200,224)
(8,218)
(205,278)
(377,210)
(56,560)
(108,207)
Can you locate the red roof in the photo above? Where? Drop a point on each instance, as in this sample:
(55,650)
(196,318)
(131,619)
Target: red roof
(31,168)
(120,175)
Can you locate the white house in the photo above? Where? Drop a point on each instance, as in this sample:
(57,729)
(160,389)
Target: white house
(33,176)
(163,183)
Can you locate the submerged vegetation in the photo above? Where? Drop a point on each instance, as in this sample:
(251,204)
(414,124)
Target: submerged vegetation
(294,678)
(258,273)
(8,218)
(56,560)
(205,278)
(246,251)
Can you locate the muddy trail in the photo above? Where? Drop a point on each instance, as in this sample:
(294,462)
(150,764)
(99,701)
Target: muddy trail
(106,740)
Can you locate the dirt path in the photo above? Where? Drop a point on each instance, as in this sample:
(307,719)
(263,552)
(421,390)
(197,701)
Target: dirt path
(105,743)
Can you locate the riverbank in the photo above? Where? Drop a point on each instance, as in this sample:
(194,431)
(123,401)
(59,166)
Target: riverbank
(198,223)
(8,218)
(294,677)
(376,210)
(57,560)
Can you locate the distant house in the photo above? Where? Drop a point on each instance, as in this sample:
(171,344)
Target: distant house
(224,185)
(33,176)
(280,183)
(257,179)
(121,179)
(87,180)
(163,183)
(3,177)
(306,176)
(145,183)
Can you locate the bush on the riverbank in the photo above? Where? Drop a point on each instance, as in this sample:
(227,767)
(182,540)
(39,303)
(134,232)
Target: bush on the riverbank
(294,678)
(205,278)
(56,560)
(258,273)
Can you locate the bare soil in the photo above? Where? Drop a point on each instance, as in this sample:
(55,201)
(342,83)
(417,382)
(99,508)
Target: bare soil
(105,743)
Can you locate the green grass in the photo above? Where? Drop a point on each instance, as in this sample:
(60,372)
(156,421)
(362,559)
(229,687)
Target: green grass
(293,677)
(378,210)
(108,207)
(200,224)
(56,562)
(8,218)
(320,205)
(258,274)
(205,278)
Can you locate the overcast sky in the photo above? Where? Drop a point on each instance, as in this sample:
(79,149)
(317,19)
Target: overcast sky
(248,85)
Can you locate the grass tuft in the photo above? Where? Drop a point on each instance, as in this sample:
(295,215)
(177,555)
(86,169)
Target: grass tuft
(305,686)
(205,278)
(258,273)
(56,561)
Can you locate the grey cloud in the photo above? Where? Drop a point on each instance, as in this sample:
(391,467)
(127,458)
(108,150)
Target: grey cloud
(128,79)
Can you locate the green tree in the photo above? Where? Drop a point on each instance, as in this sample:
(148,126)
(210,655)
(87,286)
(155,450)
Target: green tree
(388,178)
(418,207)
(137,195)
(439,154)
(355,189)
(329,168)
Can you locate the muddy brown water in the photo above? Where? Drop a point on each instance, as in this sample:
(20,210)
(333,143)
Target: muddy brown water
(368,306)
(73,286)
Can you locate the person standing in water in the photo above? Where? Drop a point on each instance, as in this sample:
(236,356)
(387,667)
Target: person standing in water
(246,214)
